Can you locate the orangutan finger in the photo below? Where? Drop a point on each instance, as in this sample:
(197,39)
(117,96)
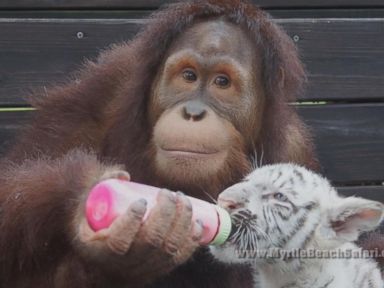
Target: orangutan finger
(181,226)
(123,230)
(158,224)
(191,243)
(161,260)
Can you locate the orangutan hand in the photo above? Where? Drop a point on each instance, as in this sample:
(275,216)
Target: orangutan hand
(140,252)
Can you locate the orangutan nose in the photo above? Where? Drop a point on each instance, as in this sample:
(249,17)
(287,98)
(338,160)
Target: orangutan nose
(194,110)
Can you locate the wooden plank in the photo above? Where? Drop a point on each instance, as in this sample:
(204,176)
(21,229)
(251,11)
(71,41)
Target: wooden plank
(344,57)
(10,124)
(350,141)
(151,4)
(143,13)
(40,52)
(369,192)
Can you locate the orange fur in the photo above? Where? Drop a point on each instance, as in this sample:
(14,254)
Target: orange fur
(106,110)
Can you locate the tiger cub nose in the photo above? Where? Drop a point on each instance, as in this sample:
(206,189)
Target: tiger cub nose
(232,199)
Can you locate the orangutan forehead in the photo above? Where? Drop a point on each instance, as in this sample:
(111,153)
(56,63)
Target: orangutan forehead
(217,38)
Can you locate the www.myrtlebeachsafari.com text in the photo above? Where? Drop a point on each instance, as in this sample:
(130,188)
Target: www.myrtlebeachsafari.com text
(276,253)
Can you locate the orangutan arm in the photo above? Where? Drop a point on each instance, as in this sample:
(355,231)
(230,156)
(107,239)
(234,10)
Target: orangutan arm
(43,227)
(38,198)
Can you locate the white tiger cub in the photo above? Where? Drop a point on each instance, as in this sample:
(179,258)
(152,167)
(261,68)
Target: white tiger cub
(286,208)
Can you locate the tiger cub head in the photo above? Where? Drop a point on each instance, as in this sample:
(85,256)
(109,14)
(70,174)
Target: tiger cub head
(285,206)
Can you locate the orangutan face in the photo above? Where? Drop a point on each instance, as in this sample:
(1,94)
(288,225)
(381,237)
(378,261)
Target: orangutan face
(207,102)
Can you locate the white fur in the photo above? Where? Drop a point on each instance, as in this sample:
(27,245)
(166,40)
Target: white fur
(290,207)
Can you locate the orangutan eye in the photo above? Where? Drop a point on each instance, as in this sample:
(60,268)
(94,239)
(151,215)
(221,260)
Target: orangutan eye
(280,197)
(222,81)
(189,75)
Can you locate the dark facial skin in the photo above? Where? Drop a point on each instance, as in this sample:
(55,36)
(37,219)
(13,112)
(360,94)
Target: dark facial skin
(206,97)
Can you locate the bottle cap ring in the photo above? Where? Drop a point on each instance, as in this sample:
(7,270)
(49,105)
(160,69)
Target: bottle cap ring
(224,227)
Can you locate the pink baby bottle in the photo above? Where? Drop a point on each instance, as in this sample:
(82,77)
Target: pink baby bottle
(111,198)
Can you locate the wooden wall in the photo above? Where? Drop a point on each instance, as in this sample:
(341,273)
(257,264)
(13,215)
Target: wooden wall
(341,42)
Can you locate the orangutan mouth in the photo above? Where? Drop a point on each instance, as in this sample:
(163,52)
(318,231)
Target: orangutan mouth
(188,152)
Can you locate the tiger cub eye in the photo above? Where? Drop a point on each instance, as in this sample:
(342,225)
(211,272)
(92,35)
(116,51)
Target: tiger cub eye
(280,196)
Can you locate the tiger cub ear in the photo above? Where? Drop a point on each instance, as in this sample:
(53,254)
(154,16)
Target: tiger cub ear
(350,216)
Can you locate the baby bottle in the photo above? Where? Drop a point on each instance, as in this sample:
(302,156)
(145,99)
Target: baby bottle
(111,198)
